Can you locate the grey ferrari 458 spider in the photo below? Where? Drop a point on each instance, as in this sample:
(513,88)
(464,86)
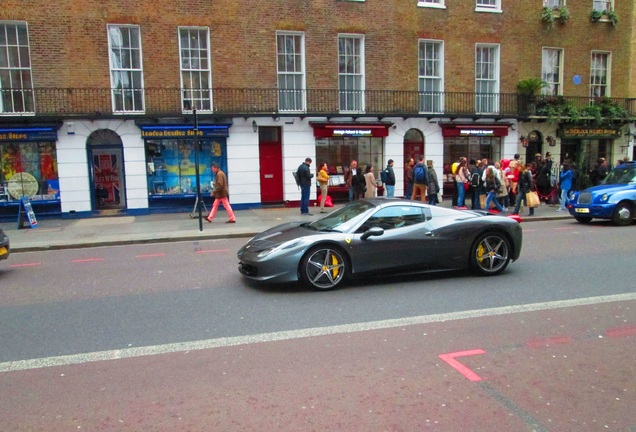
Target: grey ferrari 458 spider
(381,236)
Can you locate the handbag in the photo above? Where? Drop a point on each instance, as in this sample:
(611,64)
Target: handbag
(532,199)
(466,186)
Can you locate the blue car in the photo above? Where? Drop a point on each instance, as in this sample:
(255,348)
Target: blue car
(614,199)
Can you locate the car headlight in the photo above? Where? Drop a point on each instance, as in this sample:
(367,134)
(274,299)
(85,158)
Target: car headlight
(604,197)
(287,245)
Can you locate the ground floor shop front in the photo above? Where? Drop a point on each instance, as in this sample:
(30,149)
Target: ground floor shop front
(85,168)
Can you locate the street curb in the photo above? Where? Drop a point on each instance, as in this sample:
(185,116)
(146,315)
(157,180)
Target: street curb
(199,237)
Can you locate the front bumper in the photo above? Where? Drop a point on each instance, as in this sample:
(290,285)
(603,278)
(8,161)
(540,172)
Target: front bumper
(599,211)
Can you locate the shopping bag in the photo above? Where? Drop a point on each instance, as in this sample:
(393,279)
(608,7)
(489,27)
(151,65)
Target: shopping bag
(328,201)
(532,199)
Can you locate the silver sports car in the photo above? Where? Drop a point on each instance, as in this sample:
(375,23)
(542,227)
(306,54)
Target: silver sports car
(381,236)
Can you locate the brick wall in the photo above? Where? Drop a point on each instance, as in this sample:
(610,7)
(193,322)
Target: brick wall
(69,46)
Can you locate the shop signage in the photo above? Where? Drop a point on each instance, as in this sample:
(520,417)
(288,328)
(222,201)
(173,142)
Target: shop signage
(335,129)
(28,134)
(176,132)
(589,132)
(474,130)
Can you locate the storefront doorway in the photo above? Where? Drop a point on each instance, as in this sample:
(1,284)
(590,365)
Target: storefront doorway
(105,151)
(413,147)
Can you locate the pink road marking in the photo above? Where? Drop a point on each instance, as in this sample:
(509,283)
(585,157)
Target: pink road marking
(87,260)
(450,359)
(151,255)
(212,250)
(621,331)
(557,340)
(25,265)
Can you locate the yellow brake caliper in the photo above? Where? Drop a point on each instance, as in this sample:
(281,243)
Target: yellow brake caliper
(335,270)
(480,253)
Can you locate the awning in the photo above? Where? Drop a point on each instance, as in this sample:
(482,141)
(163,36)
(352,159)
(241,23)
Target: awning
(474,130)
(341,129)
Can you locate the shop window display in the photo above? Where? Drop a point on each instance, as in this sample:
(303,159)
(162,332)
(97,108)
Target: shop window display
(28,168)
(171,165)
(339,152)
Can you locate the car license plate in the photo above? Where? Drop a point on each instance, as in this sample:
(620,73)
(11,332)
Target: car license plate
(582,210)
(3,250)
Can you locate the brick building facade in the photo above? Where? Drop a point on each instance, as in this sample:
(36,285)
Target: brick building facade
(367,79)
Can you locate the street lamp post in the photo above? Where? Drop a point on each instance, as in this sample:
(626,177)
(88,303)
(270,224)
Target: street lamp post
(196,168)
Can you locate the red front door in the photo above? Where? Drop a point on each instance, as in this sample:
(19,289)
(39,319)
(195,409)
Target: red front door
(270,151)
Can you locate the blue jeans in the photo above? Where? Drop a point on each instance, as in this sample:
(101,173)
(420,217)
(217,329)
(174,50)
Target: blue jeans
(521,196)
(409,191)
(390,191)
(461,191)
(564,199)
(304,199)
(492,197)
(432,199)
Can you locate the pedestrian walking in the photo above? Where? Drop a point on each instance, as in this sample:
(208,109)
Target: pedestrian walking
(221,194)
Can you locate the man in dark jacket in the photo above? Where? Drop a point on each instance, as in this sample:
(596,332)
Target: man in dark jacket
(305,176)
(389,185)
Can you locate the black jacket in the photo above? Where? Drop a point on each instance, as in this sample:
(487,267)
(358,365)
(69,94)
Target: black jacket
(304,175)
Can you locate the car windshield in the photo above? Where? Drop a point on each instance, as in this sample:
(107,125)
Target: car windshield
(342,219)
(622,174)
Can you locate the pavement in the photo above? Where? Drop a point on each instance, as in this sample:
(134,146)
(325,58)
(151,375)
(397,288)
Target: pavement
(64,233)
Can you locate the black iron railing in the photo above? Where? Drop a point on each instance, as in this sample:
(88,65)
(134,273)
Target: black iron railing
(101,102)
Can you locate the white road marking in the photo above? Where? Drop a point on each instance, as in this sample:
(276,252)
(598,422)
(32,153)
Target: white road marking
(38,363)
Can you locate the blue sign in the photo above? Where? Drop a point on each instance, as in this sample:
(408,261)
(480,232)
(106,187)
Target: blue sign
(28,134)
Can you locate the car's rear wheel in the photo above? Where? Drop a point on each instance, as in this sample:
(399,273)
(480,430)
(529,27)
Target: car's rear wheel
(583,219)
(490,254)
(623,214)
(324,267)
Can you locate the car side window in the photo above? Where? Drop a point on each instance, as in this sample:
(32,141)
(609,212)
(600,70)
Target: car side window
(394,217)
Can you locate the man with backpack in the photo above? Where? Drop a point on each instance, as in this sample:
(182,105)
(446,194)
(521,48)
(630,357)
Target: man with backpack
(476,183)
(388,179)
(420,179)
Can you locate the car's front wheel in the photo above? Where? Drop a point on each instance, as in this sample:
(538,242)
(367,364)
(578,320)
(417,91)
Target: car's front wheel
(323,267)
(623,214)
(490,254)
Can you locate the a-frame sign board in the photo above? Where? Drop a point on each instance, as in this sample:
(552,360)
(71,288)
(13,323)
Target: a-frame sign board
(26,214)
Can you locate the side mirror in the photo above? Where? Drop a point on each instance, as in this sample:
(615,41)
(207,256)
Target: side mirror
(375,231)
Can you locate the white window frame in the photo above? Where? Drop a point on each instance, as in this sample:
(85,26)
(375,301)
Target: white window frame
(550,69)
(605,88)
(603,5)
(16,78)
(351,74)
(481,6)
(554,4)
(430,73)
(435,4)
(195,66)
(290,70)
(128,98)
(487,102)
